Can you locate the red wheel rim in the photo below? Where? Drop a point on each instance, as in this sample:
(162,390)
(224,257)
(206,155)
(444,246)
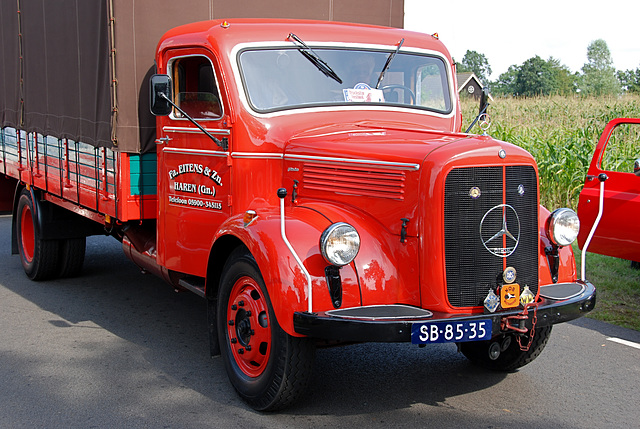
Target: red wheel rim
(27,235)
(248,327)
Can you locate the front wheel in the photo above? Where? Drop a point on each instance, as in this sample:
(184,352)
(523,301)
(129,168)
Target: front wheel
(268,368)
(503,353)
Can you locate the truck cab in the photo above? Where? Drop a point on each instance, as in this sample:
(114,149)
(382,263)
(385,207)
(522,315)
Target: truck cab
(347,204)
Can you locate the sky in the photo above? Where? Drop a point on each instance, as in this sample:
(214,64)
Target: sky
(511,32)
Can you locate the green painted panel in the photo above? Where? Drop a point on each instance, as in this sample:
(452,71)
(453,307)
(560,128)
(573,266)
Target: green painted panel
(143,171)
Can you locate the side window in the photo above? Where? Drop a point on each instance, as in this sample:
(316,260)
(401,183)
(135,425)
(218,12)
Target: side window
(195,88)
(430,87)
(623,149)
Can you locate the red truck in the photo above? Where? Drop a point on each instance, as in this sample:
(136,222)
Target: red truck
(310,180)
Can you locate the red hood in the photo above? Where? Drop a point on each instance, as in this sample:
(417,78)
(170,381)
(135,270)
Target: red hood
(388,171)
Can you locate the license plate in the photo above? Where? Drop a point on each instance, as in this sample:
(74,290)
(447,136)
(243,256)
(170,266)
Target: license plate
(451,332)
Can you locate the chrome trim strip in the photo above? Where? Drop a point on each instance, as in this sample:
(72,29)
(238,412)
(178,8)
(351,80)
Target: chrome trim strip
(394,165)
(203,152)
(257,155)
(170,129)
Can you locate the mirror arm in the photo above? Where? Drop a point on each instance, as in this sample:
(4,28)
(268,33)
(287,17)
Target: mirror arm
(484,109)
(221,143)
(484,104)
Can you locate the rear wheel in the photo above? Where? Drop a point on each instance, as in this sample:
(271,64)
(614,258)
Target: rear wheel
(268,368)
(503,353)
(39,257)
(72,252)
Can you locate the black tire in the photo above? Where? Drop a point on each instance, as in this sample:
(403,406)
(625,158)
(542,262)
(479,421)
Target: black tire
(39,257)
(511,358)
(635,265)
(268,368)
(72,252)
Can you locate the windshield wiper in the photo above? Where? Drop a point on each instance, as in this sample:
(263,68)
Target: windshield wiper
(314,58)
(389,59)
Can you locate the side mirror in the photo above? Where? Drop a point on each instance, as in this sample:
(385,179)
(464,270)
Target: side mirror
(636,167)
(160,94)
(484,100)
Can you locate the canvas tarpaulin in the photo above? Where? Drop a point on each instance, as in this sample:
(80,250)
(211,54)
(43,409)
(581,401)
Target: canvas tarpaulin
(65,50)
(86,63)
(9,65)
(69,86)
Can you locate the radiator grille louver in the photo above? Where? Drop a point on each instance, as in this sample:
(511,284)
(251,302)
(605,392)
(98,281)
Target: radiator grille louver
(370,182)
(470,268)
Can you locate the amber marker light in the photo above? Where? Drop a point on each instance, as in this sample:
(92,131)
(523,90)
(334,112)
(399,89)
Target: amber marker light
(249,216)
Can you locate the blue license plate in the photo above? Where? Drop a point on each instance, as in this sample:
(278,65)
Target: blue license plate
(451,332)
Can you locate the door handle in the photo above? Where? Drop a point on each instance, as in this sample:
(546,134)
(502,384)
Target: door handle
(163,140)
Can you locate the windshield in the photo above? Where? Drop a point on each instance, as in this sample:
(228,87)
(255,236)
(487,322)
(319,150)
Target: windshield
(283,78)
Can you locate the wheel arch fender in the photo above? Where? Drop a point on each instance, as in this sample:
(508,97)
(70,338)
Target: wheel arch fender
(387,267)
(283,277)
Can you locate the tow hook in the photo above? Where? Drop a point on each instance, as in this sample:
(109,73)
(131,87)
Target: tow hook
(517,323)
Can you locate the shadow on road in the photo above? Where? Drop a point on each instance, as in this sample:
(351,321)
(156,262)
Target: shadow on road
(170,327)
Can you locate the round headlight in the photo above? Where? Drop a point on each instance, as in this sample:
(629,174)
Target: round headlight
(340,244)
(564,226)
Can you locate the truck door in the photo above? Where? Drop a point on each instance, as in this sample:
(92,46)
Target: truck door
(194,179)
(618,233)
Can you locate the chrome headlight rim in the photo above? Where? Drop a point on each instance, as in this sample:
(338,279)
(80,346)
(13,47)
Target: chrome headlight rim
(563,227)
(340,233)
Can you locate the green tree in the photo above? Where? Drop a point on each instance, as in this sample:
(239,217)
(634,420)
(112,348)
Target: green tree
(629,80)
(566,82)
(599,75)
(506,83)
(477,63)
(536,77)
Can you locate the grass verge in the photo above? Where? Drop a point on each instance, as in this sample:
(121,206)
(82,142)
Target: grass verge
(618,289)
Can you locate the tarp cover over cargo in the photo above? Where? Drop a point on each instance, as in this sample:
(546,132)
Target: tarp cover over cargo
(79,69)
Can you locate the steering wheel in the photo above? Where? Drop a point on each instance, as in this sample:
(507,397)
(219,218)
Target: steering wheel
(403,88)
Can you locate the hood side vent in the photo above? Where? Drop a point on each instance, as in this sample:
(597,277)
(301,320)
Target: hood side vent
(368,182)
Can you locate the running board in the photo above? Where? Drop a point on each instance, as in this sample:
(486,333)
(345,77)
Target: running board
(193,284)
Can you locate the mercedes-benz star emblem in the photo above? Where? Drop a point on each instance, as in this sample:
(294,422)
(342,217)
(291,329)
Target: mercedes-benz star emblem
(500,230)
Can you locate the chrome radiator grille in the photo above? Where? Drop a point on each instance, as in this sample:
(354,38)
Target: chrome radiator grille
(491,222)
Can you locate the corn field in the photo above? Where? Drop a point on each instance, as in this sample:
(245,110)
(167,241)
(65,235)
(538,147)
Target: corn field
(561,134)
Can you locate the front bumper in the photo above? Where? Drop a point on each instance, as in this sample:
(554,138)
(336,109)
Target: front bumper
(557,303)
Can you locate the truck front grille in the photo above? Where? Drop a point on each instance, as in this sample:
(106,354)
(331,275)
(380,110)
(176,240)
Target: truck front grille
(479,201)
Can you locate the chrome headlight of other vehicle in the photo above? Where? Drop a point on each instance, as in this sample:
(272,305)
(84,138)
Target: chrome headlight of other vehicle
(563,227)
(340,243)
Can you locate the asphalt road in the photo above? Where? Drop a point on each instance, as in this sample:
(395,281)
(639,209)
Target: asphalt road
(115,348)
